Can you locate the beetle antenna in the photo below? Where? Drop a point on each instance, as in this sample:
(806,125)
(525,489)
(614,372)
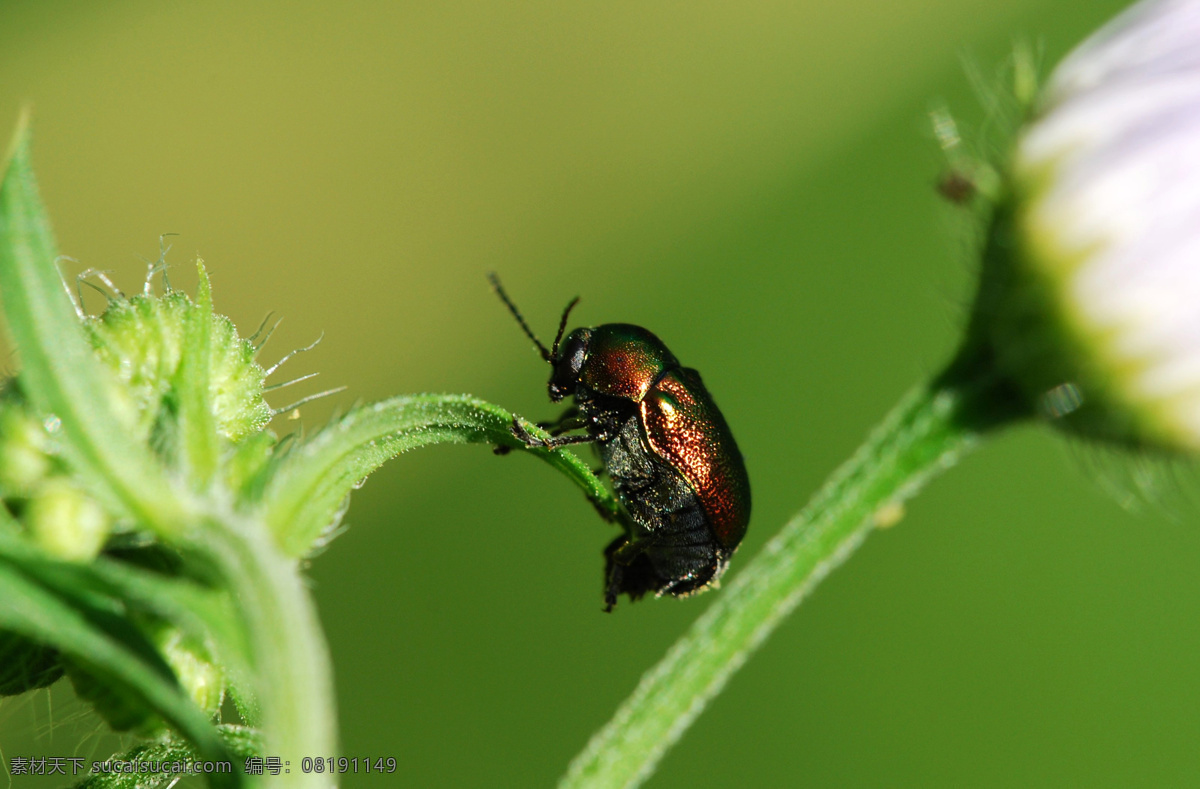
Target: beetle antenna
(562,325)
(496,286)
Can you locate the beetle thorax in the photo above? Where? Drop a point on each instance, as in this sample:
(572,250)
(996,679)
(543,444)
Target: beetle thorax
(624,361)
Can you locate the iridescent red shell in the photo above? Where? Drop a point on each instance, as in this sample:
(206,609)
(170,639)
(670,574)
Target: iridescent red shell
(682,423)
(686,429)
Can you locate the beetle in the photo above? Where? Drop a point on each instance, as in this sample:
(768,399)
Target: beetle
(674,464)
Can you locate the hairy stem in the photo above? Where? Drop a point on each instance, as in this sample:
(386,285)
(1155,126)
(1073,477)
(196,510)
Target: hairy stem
(291,661)
(311,483)
(927,432)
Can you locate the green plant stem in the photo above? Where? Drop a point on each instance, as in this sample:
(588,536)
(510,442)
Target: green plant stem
(926,433)
(312,481)
(291,661)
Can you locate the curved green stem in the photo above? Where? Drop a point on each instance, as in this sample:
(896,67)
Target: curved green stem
(312,481)
(291,660)
(926,433)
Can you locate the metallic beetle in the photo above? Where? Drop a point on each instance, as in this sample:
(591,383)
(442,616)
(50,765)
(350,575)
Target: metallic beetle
(675,467)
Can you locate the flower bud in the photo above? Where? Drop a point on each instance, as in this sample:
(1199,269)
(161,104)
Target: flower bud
(1091,285)
(142,340)
(65,523)
(23,457)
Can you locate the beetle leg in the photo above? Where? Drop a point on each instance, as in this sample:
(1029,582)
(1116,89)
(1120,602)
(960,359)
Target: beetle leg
(620,553)
(565,426)
(627,570)
(568,420)
(629,551)
(605,513)
(612,589)
(522,434)
(562,441)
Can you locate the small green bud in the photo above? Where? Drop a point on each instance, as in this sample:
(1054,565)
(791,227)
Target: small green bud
(23,458)
(237,383)
(141,340)
(65,523)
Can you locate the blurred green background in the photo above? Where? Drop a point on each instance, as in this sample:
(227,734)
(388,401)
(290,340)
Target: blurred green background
(753,182)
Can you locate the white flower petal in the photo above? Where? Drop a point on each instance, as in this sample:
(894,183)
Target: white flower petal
(1112,170)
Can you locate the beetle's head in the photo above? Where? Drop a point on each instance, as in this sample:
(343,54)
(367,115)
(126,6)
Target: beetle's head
(568,362)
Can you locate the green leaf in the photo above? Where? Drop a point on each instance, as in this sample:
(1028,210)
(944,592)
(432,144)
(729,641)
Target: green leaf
(82,627)
(100,595)
(26,665)
(306,491)
(196,608)
(60,374)
(75,394)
